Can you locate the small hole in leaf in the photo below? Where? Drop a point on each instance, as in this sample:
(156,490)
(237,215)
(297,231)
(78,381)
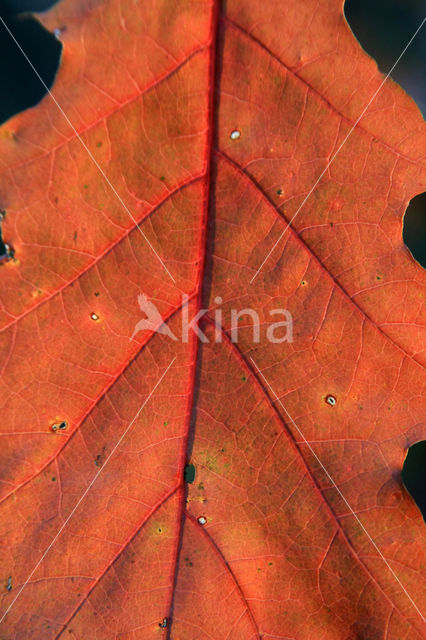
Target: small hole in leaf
(7,252)
(164,623)
(189,473)
(9,583)
(202,520)
(331,400)
(94,316)
(414,474)
(235,134)
(59,426)
(414,228)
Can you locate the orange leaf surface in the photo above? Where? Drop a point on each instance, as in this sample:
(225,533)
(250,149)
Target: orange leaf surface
(189,134)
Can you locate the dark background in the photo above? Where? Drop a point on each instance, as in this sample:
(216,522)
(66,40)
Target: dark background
(383,27)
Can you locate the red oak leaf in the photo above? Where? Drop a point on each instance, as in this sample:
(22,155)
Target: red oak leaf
(229,156)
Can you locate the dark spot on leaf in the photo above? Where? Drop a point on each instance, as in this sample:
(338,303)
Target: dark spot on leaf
(279,192)
(96,293)
(98,460)
(164,623)
(99,144)
(53,479)
(243,378)
(414,474)
(162,178)
(189,473)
